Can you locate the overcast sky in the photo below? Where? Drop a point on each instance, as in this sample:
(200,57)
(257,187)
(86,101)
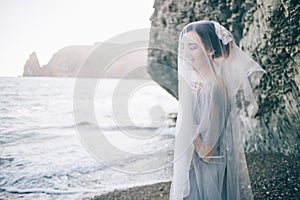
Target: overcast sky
(45,26)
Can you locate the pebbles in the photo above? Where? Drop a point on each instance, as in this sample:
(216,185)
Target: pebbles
(273,176)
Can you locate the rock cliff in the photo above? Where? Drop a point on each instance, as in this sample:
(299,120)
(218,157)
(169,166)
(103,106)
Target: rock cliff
(70,61)
(32,66)
(269,31)
(67,61)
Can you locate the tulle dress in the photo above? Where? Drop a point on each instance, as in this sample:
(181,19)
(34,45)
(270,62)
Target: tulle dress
(207,178)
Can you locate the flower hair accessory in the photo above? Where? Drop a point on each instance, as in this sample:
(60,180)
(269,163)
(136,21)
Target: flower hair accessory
(222,33)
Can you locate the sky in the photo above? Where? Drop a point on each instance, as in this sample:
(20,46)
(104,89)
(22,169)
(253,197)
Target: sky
(46,26)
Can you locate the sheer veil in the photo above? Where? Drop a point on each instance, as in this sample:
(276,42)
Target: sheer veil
(207,108)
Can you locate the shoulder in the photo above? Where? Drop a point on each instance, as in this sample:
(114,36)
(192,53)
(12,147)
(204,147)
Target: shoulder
(216,87)
(216,90)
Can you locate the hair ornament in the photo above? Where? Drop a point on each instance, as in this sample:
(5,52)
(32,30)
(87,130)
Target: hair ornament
(222,33)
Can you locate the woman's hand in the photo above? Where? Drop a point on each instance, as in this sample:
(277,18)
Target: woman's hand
(204,151)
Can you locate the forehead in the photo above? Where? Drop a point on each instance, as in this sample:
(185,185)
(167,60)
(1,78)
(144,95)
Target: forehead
(191,37)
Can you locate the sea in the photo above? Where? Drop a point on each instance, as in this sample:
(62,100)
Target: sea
(75,138)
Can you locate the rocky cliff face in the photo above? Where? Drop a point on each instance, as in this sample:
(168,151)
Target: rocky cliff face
(269,31)
(66,62)
(72,61)
(32,66)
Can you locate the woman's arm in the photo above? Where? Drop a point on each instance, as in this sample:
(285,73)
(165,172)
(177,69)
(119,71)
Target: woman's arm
(206,146)
(204,151)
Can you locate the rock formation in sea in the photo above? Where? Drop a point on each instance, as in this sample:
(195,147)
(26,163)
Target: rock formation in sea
(32,66)
(89,61)
(266,29)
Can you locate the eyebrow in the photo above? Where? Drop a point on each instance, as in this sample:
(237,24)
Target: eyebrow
(193,45)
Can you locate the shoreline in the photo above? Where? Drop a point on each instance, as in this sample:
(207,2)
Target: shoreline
(272,175)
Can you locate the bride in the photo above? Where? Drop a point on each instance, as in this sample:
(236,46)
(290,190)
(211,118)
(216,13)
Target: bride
(209,160)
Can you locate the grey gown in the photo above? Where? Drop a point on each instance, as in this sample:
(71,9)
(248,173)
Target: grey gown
(207,179)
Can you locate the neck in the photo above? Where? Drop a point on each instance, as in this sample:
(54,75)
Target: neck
(206,74)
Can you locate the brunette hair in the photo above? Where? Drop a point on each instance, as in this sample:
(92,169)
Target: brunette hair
(209,38)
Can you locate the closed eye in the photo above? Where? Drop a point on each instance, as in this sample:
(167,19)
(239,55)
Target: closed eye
(193,46)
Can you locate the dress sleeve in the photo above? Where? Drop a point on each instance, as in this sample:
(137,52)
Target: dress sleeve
(211,115)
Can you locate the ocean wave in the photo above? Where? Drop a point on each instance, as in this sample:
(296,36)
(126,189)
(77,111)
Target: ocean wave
(48,183)
(6,159)
(168,132)
(116,128)
(15,190)
(111,128)
(79,124)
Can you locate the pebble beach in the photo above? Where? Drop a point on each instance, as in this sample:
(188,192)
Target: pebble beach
(273,176)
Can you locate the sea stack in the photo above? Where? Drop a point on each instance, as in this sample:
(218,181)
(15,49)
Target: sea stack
(32,66)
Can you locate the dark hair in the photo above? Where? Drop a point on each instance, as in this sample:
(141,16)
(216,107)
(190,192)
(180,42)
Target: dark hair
(209,38)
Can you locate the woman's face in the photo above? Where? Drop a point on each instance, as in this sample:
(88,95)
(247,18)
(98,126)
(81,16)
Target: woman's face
(194,51)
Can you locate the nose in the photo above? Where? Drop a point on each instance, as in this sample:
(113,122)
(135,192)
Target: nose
(190,57)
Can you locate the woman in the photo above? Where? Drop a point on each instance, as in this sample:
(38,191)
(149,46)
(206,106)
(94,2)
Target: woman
(209,161)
